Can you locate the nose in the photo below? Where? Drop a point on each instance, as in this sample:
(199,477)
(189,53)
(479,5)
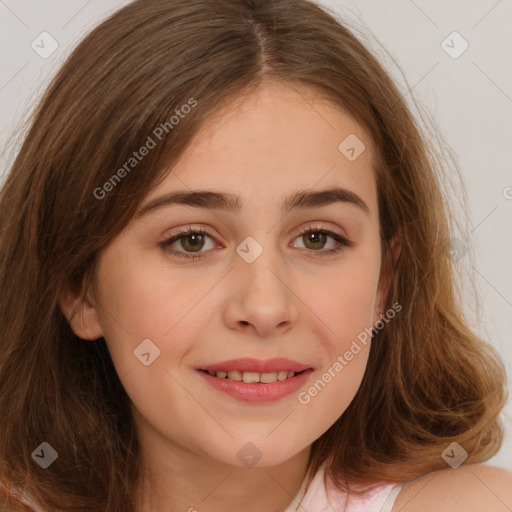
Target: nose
(261,297)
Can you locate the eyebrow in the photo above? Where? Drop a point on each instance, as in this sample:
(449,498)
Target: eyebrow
(302,199)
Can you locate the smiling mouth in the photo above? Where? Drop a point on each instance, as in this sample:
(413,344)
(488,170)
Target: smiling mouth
(254,377)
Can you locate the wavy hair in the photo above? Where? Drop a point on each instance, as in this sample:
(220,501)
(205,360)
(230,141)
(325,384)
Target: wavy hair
(430,380)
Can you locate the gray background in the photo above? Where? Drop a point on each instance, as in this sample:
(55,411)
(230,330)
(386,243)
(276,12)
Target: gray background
(469,98)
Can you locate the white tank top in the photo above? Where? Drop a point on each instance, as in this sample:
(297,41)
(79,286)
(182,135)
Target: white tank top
(319,498)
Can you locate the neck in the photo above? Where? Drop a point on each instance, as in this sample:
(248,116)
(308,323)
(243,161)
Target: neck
(192,482)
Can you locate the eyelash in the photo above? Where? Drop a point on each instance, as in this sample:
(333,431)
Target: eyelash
(341,241)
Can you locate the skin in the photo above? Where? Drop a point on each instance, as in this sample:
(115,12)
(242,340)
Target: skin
(290,302)
(468,488)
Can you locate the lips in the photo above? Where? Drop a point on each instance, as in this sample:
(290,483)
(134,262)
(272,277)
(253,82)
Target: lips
(256,392)
(248,364)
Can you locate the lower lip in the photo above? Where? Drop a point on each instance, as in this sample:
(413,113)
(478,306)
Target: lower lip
(257,392)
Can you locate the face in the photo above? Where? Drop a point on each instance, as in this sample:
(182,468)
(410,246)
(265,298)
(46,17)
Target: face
(259,286)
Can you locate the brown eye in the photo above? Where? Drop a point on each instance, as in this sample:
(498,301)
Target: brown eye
(317,239)
(193,242)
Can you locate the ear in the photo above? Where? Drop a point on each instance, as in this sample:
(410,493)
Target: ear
(81,313)
(386,276)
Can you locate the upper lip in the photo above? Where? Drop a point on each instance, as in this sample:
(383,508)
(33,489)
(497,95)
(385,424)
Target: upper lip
(248,364)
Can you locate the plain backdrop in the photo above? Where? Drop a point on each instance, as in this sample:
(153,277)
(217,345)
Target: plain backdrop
(462,81)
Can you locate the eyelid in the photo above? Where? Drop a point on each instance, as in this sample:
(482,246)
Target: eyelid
(312,225)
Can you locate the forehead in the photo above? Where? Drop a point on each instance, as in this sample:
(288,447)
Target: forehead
(273,142)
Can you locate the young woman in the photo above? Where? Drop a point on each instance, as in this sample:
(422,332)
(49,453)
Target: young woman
(225,281)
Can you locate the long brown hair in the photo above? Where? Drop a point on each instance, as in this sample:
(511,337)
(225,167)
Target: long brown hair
(429,381)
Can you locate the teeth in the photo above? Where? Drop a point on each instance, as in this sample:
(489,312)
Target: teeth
(253,377)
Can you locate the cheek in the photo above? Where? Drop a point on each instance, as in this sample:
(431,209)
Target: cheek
(345,310)
(345,306)
(138,302)
(330,393)
(344,302)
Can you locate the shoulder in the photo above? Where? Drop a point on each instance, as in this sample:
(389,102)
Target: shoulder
(471,487)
